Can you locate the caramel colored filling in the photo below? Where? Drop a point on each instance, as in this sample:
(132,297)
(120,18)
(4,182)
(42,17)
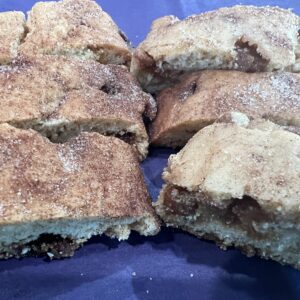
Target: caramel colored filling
(244,213)
(248,59)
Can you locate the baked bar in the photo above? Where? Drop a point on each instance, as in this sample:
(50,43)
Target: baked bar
(60,97)
(77,28)
(203,97)
(238,186)
(56,196)
(245,38)
(12,31)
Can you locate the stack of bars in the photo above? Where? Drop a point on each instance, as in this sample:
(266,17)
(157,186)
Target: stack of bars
(72,128)
(71,131)
(228,92)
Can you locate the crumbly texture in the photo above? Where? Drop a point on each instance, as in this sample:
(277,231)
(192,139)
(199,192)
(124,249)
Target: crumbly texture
(77,28)
(203,97)
(60,97)
(245,38)
(12,31)
(89,185)
(239,186)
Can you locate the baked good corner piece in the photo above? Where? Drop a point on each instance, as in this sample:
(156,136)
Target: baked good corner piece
(12,31)
(53,197)
(75,28)
(238,186)
(60,97)
(245,38)
(203,97)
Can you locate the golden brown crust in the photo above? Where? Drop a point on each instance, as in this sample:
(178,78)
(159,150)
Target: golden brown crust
(203,97)
(245,38)
(50,92)
(75,28)
(89,176)
(12,30)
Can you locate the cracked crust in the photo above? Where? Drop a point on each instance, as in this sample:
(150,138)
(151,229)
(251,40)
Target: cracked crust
(77,28)
(89,185)
(203,97)
(12,31)
(240,186)
(245,38)
(60,97)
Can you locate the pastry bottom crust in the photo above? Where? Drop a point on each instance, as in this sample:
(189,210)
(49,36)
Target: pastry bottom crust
(242,224)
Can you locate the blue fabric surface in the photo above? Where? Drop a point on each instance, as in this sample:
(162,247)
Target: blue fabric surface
(171,265)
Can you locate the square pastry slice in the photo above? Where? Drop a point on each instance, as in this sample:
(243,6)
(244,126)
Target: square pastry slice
(238,186)
(77,28)
(12,31)
(60,97)
(245,38)
(53,197)
(203,97)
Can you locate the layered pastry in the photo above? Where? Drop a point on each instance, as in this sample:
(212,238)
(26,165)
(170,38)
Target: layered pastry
(203,97)
(54,197)
(60,97)
(77,28)
(238,184)
(245,38)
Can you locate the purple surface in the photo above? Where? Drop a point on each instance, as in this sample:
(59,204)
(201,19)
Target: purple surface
(171,265)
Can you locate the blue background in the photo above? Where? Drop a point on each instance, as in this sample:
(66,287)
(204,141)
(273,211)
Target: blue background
(171,265)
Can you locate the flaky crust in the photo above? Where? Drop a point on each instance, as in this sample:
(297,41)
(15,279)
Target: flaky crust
(51,91)
(75,28)
(203,97)
(12,30)
(89,176)
(226,161)
(212,40)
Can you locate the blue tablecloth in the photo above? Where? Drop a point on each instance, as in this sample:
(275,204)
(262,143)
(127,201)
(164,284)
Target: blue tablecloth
(171,265)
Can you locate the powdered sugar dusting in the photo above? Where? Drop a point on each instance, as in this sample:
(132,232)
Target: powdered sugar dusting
(70,154)
(273,93)
(1,209)
(285,85)
(273,96)
(68,160)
